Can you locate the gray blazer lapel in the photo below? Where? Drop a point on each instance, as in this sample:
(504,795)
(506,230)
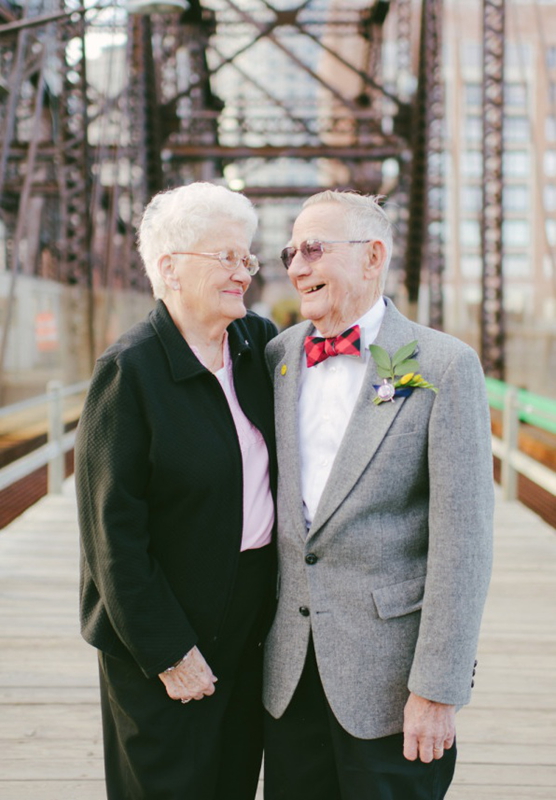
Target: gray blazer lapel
(368,425)
(286,392)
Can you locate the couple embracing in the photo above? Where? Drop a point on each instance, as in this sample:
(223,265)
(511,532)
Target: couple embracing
(314,507)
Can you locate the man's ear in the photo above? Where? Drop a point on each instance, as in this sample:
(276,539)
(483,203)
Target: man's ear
(376,258)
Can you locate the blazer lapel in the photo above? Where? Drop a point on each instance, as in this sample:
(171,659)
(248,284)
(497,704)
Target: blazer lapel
(368,425)
(286,392)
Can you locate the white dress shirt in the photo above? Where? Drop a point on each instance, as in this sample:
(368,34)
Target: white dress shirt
(327,396)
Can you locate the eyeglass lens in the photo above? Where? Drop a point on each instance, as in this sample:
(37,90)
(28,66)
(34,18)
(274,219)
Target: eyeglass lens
(311,251)
(231,260)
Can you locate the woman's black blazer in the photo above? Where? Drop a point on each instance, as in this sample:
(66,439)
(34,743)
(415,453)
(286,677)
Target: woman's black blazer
(160,489)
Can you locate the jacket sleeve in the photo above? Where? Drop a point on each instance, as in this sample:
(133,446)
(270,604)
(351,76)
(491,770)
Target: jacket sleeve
(121,579)
(460,534)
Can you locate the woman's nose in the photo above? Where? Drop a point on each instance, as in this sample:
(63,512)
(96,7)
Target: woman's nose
(241,274)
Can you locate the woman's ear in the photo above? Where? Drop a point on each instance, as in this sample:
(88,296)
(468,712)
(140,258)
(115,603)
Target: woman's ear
(167,272)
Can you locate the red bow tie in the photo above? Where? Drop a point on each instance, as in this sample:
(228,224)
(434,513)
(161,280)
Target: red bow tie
(347,343)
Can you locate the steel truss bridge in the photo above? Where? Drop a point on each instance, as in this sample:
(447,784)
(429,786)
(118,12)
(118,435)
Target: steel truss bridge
(231,88)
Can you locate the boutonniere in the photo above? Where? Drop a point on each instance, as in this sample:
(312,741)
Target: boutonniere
(400,374)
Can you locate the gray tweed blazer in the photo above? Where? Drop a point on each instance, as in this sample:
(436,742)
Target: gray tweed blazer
(401,542)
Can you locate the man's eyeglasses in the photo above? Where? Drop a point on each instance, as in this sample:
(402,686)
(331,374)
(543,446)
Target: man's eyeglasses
(312,250)
(230,260)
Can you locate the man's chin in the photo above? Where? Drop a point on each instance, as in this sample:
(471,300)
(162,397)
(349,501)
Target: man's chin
(311,309)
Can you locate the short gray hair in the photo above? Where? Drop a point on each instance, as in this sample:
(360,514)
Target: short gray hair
(175,220)
(366,219)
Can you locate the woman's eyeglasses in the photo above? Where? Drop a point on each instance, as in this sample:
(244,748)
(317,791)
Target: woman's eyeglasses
(230,260)
(312,250)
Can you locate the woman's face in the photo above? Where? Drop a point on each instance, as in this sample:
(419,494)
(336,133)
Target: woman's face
(208,292)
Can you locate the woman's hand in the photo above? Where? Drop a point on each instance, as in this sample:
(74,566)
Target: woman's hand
(192,679)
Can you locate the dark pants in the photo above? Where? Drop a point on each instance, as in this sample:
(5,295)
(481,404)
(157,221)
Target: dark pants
(161,749)
(309,756)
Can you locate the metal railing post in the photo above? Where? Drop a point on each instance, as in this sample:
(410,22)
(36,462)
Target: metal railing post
(56,463)
(510,444)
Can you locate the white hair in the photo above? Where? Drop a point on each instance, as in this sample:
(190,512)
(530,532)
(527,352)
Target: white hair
(366,219)
(175,220)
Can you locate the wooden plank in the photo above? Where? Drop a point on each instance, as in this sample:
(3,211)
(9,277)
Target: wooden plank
(42,789)
(50,729)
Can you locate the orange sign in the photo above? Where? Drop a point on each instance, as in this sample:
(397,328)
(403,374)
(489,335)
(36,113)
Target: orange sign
(46,332)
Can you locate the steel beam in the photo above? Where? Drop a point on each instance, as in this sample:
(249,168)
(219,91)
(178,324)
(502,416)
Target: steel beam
(492,309)
(424,244)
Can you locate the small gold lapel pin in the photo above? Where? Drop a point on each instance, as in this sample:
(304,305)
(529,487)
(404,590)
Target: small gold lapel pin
(283,369)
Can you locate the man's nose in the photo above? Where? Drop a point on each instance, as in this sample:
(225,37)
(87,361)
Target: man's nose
(299,266)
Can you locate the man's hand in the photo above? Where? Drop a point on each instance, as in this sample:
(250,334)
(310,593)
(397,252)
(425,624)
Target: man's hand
(429,728)
(191,680)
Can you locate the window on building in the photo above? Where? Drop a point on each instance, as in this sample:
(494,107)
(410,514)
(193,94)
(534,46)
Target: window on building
(470,233)
(552,93)
(515,197)
(551,57)
(472,54)
(515,95)
(550,129)
(516,266)
(516,233)
(471,199)
(516,164)
(550,226)
(472,163)
(517,129)
(473,129)
(550,197)
(550,163)
(474,94)
(517,55)
(471,266)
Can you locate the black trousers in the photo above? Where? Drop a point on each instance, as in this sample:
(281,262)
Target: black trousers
(309,756)
(156,748)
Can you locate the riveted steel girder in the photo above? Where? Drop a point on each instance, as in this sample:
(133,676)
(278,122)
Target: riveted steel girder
(492,308)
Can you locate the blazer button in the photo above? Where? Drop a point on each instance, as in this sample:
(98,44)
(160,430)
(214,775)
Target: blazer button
(311,558)
(304,611)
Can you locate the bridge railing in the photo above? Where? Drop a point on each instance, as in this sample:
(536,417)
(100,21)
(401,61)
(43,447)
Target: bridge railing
(520,405)
(58,442)
(516,405)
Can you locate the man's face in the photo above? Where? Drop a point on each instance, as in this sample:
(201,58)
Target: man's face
(339,287)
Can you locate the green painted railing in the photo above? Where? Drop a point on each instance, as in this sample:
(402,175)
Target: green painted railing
(519,405)
(531,408)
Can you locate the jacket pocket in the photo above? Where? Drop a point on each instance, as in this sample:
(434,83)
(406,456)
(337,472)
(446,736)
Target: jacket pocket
(399,599)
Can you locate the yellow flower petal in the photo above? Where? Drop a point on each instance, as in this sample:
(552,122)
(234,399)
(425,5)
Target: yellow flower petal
(406,378)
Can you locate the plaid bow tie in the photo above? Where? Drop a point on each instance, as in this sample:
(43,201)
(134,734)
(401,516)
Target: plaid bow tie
(347,343)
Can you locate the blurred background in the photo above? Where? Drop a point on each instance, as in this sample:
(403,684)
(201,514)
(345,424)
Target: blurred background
(445,107)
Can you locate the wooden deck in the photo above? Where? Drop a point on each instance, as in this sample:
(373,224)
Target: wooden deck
(50,736)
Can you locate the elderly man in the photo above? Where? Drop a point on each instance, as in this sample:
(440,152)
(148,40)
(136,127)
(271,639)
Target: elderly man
(385,526)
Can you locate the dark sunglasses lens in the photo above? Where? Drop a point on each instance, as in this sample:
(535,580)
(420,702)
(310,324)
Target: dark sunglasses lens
(287,255)
(311,251)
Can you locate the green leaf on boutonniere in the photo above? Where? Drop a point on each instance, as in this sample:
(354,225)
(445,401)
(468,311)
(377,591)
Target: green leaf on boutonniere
(382,359)
(411,365)
(401,366)
(404,353)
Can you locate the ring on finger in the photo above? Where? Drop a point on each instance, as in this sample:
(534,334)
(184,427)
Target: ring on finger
(185,701)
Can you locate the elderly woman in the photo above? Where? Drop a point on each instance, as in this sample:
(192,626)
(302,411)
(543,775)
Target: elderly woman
(174,473)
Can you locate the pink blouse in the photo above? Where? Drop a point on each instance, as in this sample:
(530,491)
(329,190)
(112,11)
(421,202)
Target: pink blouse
(258,506)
